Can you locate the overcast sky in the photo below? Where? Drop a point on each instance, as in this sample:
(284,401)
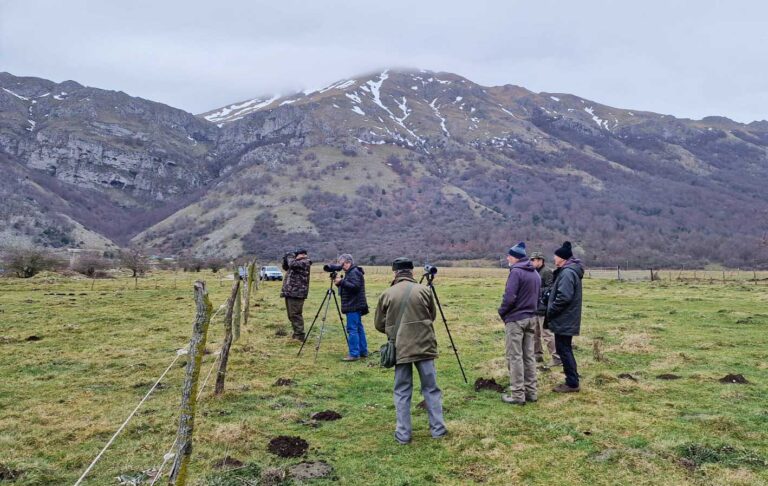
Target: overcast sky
(689,58)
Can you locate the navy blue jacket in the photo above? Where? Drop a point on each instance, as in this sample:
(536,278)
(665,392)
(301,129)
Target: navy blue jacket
(352,291)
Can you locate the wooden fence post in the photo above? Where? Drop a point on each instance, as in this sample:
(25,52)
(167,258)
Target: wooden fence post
(224,353)
(247,295)
(189,392)
(618,272)
(237,313)
(651,270)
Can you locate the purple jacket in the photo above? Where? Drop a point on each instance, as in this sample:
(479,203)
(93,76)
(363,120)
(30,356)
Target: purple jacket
(521,295)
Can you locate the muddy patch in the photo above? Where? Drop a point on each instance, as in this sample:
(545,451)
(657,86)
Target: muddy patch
(287,446)
(326,415)
(668,376)
(33,338)
(489,384)
(627,376)
(9,474)
(284,382)
(227,462)
(729,378)
(310,470)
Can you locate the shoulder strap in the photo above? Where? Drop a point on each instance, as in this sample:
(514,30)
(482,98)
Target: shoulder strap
(402,308)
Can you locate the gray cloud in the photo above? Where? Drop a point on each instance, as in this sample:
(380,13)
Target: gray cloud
(686,58)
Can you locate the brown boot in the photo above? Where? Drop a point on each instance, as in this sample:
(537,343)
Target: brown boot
(563,388)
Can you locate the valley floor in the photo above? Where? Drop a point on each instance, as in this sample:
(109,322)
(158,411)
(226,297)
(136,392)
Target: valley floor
(75,361)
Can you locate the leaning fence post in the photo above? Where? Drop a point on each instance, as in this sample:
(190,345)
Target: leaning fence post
(224,353)
(189,392)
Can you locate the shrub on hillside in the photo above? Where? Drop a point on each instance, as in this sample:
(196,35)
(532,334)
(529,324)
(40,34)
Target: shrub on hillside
(28,262)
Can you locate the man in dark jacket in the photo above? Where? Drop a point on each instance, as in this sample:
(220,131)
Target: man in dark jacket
(537,258)
(564,313)
(354,305)
(296,288)
(518,311)
(405,313)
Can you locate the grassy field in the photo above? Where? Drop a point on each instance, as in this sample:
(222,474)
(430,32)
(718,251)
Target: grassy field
(96,352)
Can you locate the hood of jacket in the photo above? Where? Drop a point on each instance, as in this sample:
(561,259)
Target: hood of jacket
(524,264)
(576,265)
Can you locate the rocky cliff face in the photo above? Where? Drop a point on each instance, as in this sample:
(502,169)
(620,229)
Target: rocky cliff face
(104,140)
(466,168)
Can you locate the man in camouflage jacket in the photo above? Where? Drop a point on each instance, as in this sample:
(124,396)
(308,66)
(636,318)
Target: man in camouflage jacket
(296,288)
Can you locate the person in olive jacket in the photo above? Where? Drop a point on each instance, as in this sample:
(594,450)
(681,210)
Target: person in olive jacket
(296,288)
(354,305)
(564,313)
(406,312)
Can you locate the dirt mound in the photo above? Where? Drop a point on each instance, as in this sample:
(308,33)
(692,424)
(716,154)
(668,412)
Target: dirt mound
(33,338)
(490,384)
(286,446)
(227,462)
(734,379)
(627,376)
(284,382)
(8,474)
(310,470)
(668,376)
(326,415)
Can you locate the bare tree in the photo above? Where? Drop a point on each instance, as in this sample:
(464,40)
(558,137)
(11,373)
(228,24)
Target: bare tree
(28,262)
(135,260)
(215,263)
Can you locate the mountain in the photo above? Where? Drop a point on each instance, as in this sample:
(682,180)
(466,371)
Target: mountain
(416,162)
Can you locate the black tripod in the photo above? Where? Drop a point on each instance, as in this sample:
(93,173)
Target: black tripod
(326,303)
(431,276)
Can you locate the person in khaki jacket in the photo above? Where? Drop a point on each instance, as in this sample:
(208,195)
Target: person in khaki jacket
(406,312)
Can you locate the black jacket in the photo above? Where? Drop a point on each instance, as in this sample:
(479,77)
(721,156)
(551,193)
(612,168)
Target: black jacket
(564,307)
(352,292)
(546,284)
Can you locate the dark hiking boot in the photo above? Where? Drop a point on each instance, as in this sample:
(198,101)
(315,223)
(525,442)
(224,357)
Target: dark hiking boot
(350,358)
(298,337)
(554,363)
(532,399)
(563,388)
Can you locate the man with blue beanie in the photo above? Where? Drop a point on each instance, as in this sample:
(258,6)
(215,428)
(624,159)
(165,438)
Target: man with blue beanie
(518,311)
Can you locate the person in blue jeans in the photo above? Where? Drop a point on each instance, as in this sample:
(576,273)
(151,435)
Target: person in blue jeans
(354,305)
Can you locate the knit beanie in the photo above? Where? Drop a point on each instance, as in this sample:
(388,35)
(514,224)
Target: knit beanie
(565,252)
(518,251)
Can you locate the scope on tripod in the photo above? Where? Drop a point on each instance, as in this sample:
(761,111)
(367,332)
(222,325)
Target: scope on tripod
(430,270)
(333,268)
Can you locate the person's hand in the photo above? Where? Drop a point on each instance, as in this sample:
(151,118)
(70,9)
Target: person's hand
(337,281)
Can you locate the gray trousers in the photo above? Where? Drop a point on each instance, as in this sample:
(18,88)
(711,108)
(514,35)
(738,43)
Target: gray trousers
(295,307)
(520,358)
(547,336)
(433,398)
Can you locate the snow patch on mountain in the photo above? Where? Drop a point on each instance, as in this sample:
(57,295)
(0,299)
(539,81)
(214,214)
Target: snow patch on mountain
(239,110)
(15,94)
(600,122)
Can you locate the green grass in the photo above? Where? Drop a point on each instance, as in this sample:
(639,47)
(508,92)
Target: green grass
(62,397)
